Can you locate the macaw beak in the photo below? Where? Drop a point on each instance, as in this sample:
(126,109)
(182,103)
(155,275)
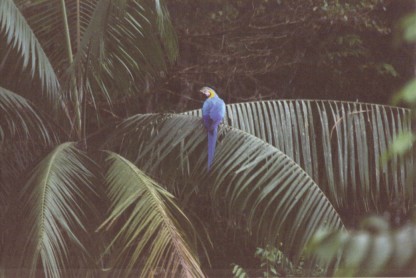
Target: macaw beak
(202,92)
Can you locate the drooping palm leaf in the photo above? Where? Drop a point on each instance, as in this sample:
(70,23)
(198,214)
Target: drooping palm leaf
(50,219)
(152,238)
(115,44)
(46,19)
(20,36)
(24,135)
(120,48)
(20,122)
(373,250)
(251,182)
(339,144)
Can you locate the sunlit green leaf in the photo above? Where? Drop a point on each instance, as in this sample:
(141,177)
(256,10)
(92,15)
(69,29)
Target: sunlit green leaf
(20,36)
(368,252)
(401,145)
(407,94)
(408,25)
(251,182)
(50,220)
(152,238)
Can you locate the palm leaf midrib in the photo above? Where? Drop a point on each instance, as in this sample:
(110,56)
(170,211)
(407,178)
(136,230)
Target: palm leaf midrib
(44,184)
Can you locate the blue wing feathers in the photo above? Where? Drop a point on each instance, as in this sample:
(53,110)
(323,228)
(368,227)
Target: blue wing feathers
(207,122)
(213,111)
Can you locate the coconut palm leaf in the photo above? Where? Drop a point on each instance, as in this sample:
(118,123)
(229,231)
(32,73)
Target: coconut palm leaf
(154,233)
(46,19)
(252,184)
(120,46)
(115,44)
(50,219)
(339,144)
(19,35)
(373,250)
(24,135)
(20,122)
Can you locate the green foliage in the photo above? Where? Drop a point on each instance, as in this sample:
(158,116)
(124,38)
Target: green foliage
(339,144)
(269,189)
(19,35)
(152,224)
(51,201)
(408,25)
(407,94)
(274,263)
(21,121)
(239,272)
(283,205)
(47,223)
(272,260)
(402,145)
(118,47)
(373,250)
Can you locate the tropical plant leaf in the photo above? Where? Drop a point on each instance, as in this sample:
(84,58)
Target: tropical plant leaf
(50,221)
(407,25)
(116,44)
(20,122)
(154,233)
(24,136)
(252,184)
(46,19)
(339,144)
(122,50)
(20,36)
(407,94)
(373,250)
(239,272)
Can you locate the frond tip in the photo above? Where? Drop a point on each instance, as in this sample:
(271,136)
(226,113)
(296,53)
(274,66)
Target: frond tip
(152,237)
(20,36)
(19,121)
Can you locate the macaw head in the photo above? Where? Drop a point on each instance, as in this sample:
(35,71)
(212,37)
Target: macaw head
(208,92)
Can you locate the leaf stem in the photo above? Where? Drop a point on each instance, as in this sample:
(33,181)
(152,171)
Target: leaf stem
(74,89)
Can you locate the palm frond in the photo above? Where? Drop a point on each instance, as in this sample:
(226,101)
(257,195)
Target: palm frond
(122,47)
(153,235)
(20,36)
(20,121)
(373,250)
(24,137)
(117,45)
(251,183)
(339,144)
(50,221)
(166,30)
(45,18)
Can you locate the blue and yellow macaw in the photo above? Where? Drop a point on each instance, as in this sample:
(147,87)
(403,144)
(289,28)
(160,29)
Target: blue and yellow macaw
(213,112)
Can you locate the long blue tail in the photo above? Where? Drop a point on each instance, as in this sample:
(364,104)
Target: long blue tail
(212,141)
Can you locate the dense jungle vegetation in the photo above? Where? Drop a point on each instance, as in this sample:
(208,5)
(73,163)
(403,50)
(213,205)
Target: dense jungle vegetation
(103,152)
